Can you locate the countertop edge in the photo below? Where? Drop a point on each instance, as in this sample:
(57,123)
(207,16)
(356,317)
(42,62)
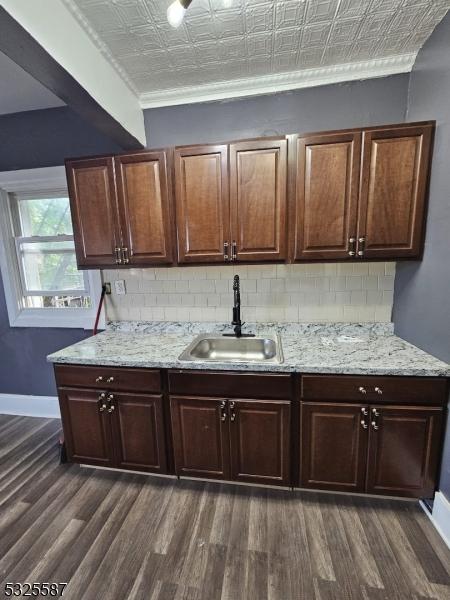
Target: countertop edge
(254,367)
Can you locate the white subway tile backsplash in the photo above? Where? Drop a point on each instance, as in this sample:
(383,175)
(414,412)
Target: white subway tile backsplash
(293,293)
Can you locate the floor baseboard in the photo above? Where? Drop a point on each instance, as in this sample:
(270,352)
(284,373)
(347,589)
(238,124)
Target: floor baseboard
(29,406)
(440,516)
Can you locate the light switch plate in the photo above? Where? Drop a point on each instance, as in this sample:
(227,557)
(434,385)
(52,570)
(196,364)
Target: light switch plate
(119,286)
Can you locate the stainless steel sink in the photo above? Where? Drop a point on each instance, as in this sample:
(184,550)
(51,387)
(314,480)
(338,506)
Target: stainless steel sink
(216,348)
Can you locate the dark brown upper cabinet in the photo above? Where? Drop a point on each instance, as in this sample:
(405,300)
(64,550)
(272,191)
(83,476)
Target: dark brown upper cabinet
(361,193)
(258,200)
(93,202)
(202,203)
(327,177)
(144,207)
(121,210)
(231,202)
(394,176)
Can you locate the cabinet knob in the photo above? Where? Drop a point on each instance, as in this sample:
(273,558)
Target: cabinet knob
(364,424)
(102,407)
(110,397)
(110,380)
(378,390)
(98,379)
(375,426)
(362,389)
(365,411)
(111,408)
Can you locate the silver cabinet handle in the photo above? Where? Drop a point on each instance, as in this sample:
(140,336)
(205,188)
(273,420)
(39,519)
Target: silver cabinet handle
(223,411)
(362,389)
(102,403)
(118,253)
(126,258)
(374,422)
(233,414)
(226,256)
(110,380)
(378,390)
(98,379)
(352,246)
(234,251)
(361,246)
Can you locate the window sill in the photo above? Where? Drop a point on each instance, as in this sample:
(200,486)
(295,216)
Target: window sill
(48,317)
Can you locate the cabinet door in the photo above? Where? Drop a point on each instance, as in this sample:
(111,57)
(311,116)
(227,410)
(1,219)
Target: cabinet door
(200,437)
(93,204)
(327,178)
(202,203)
(87,430)
(260,441)
(394,174)
(138,432)
(144,207)
(258,199)
(404,450)
(333,446)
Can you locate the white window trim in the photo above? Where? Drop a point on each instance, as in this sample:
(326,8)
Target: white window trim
(49,178)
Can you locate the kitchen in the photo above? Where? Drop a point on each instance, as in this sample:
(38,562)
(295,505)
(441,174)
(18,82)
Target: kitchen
(263,414)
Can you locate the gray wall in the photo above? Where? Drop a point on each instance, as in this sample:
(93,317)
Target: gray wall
(39,138)
(23,367)
(422,289)
(369,102)
(44,138)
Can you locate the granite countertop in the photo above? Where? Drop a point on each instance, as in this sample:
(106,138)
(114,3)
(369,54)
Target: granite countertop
(353,349)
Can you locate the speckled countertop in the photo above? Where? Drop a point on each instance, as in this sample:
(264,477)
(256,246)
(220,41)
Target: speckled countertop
(358,349)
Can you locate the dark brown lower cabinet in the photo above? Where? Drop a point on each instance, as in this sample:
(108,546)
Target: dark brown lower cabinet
(404,450)
(259,441)
(333,446)
(138,432)
(243,440)
(122,430)
(87,431)
(388,450)
(200,437)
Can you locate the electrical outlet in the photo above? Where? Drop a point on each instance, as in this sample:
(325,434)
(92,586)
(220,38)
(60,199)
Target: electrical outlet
(119,286)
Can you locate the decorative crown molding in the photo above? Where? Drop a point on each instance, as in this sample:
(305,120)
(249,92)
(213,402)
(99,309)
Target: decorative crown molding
(269,84)
(98,42)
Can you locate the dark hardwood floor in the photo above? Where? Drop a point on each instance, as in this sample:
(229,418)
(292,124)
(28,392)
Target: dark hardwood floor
(130,537)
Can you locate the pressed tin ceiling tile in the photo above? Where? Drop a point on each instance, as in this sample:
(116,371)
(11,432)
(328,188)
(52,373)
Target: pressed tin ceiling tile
(224,40)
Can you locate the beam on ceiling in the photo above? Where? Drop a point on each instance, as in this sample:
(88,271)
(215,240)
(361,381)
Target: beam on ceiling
(45,39)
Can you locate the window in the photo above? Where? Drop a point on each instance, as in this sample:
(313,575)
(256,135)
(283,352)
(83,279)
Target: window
(39,266)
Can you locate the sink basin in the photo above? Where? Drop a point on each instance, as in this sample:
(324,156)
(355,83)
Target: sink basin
(216,348)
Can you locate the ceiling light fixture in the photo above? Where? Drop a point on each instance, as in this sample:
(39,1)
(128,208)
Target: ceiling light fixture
(176,11)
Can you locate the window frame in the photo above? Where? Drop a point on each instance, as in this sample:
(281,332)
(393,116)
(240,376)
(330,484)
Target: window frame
(37,181)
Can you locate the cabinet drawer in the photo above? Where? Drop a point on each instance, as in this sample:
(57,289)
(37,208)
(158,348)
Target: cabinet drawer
(111,378)
(235,385)
(373,389)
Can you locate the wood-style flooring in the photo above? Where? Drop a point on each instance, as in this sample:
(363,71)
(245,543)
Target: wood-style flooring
(131,537)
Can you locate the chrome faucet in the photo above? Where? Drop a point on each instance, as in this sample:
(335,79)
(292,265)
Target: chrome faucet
(236,322)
